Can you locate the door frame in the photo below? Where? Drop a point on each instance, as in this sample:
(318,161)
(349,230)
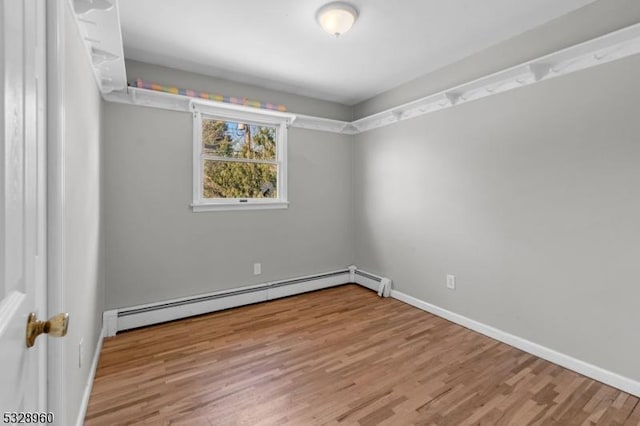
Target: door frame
(41,264)
(55,69)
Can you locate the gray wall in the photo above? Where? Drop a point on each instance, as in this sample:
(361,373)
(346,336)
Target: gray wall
(158,249)
(83,223)
(531,198)
(588,22)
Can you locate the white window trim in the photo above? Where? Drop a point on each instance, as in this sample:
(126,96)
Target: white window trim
(231,112)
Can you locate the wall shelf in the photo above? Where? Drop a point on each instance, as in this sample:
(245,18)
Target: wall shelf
(610,47)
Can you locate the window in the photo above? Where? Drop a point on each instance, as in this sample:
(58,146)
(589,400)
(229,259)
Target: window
(239,159)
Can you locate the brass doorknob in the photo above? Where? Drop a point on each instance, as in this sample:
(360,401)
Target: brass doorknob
(56,327)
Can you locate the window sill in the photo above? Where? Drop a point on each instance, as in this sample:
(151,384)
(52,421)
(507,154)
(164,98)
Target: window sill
(216,207)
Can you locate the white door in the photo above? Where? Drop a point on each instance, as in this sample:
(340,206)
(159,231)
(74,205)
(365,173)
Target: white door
(22,206)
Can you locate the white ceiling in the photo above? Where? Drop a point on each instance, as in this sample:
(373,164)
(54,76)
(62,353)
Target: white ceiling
(277,44)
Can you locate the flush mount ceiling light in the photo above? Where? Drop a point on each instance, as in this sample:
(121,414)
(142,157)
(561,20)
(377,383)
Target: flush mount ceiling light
(337,18)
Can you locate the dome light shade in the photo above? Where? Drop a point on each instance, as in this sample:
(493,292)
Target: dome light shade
(337,18)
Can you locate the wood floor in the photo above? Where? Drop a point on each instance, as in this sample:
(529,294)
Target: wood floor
(337,356)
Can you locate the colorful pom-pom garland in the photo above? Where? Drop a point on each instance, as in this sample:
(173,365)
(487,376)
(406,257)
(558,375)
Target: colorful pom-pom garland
(204,95)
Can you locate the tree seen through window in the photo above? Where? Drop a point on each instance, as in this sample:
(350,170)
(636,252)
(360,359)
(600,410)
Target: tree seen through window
(239,160)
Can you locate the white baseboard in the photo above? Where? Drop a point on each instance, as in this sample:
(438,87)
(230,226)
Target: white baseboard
(155,313)
(92,374)
(600,374)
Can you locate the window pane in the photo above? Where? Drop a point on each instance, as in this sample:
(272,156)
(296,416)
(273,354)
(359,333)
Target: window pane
(228,179)
(238,140)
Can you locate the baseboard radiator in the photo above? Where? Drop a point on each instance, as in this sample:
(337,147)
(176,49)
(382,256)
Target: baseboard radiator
(156,313)
(381,285)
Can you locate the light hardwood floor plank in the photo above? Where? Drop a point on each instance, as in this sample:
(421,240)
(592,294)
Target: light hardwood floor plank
(333,357)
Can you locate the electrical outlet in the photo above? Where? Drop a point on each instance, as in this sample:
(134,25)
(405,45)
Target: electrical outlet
(80,353)
(257,268)
(451,282)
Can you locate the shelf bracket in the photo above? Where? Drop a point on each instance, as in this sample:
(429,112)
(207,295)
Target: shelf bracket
(539,71)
